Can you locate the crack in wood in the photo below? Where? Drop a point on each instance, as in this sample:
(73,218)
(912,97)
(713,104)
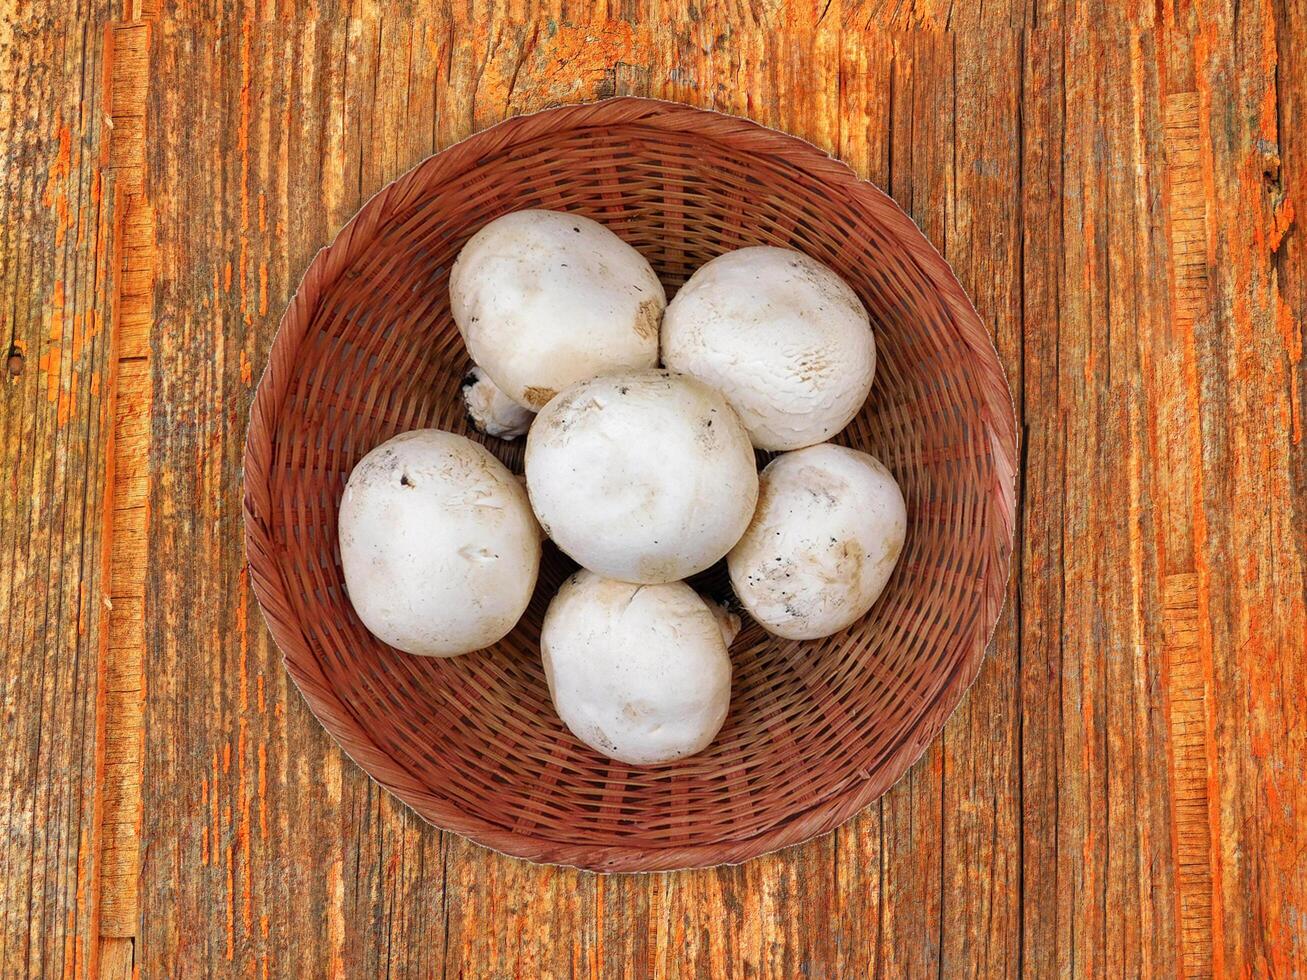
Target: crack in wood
(1187,667)
(126,505)
(1190,769)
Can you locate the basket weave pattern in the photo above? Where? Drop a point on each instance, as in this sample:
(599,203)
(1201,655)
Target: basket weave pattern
(816,730)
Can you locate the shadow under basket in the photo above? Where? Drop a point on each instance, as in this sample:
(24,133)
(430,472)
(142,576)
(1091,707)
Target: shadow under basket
(816,730)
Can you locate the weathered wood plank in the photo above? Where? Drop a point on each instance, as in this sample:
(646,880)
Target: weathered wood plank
(58,218)
(982,239)
(1248,503)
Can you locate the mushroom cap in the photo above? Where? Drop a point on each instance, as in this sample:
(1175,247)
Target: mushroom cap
(438,544)
(639,673)
(781,336)
(545,299)
(644,477)
(828,531)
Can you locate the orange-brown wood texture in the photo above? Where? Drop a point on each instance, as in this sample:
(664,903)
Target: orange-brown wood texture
(1117,185)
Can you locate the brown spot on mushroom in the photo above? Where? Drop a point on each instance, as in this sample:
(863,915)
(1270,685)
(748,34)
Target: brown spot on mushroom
(648,317)
(537,397)
(813,365)
(892,553)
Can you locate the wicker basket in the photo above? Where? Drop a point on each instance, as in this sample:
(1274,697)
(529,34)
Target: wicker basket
(816,730)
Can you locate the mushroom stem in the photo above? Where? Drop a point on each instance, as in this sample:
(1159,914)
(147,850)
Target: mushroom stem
(727,621)
(492,411)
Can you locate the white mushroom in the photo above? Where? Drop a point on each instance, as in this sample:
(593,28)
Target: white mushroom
(438,544)
(639,673)
(781,336)
(828,532)
(643,477)
(491,411)
(545,299)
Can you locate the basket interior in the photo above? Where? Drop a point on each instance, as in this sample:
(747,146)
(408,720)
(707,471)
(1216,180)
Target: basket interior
(809,721)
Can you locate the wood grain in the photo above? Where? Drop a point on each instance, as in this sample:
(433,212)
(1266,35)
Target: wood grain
(1115,185)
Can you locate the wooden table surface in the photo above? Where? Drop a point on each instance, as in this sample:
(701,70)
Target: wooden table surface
(1116,185)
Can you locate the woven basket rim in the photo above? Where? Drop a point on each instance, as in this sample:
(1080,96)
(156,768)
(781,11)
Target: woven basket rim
(270,586)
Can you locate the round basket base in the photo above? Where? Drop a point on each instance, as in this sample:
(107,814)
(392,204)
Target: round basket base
(816,730)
